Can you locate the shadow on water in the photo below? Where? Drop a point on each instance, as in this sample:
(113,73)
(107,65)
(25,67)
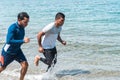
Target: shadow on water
(71,72)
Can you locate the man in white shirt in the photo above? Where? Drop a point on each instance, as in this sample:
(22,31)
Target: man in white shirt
(47,40)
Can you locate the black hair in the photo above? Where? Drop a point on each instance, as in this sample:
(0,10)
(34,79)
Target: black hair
(21,15)
(59,15)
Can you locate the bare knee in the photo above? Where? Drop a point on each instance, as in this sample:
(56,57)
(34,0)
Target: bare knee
(24,65)
(2,68)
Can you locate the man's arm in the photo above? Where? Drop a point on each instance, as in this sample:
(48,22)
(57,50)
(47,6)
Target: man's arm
(60,40)
(39,38)
(10,36)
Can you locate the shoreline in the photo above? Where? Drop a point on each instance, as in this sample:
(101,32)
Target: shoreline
(91,75)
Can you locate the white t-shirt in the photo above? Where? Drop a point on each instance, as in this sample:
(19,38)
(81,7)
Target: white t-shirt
(50,37)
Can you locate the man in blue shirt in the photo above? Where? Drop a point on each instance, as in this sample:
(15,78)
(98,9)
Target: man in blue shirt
(15,38)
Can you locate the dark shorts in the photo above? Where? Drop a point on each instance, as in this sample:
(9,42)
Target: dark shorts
(50,55)
(6,59)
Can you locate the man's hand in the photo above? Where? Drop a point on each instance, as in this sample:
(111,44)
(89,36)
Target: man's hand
(26,40)
(41,50)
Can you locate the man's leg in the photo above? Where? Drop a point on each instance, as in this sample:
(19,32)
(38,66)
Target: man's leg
(5,59)
(47,60)
(50,57)
(53,61)
(36,60)
(24,68)
(49,54)
(1,63)
(2,68)
(20,57)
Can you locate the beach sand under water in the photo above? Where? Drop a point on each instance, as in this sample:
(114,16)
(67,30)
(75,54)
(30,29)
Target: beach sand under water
(92,32)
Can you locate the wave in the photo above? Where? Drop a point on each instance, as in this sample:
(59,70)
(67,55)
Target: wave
(14,75)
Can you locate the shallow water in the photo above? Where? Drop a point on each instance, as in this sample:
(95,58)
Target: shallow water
(91,30)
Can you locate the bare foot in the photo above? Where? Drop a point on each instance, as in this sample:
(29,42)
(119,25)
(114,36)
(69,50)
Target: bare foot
(36,60)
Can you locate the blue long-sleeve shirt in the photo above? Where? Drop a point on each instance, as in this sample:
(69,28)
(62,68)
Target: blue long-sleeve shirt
(14,38)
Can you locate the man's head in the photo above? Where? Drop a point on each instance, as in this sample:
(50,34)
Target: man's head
(59,19)
(23,19)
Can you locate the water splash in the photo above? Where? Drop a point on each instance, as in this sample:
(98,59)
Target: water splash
(50,75)
(44,76)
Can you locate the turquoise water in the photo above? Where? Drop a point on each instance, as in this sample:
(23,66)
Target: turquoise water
(91,29)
